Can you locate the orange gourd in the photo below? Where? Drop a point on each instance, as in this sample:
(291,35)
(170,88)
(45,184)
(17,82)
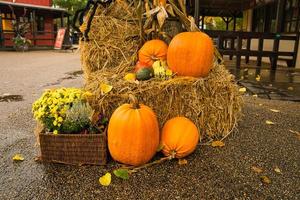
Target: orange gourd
(133,133)
(179,137)
(191,54)
(153,50)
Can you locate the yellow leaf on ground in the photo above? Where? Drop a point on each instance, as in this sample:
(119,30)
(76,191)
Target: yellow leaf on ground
(297,133)
(182,161)
(18,157)
(277,170)
(269,122)
(265,179)
(217,144)
(255,95)
(256,169)
(290,88)
(105,180)
(105,88)
(257,78)
(243,89)
(274,110)
(260,104)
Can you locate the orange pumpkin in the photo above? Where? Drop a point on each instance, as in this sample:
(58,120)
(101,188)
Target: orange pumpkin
(179,137)
(139,65)
(133,134)
(153,50)
(191,54)
(163,2)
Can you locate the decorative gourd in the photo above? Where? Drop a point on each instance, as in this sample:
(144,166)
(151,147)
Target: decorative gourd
(179,137)
(133,133)
(144,74)
(140,65)
(191,54)
(153,50)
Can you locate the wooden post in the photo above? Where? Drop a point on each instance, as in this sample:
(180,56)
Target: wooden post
(203,20)
(1,31)
(279,15)
(295,51)
(260,50)
(275,56)
(34,27)
(196,15)
(234,23)
(239,48)
(248,49)
(62,20)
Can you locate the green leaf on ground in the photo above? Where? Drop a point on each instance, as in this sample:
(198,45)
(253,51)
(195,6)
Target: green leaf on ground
(122,173)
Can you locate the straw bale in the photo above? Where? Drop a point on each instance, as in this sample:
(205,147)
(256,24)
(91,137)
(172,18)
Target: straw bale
(113,39)
(212,103)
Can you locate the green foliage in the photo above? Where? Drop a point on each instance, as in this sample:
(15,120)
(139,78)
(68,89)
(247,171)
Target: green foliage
(77,118)
(70,5)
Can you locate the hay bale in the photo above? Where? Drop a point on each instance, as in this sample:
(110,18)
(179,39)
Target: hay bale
(113,39)
(212,103)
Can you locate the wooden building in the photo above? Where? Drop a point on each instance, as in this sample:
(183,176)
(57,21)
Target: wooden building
(42,17)
(270,29)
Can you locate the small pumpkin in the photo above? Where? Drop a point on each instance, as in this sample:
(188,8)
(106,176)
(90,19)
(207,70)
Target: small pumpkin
(144,74)
(139,65)
(153,50)
(191,54)
(133,133)
(179,137)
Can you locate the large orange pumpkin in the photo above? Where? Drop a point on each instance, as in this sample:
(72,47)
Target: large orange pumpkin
(153,50)
(191,54)
(179,137)
(133,134)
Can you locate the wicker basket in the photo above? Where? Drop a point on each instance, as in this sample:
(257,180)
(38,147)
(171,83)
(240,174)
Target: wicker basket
(75,149)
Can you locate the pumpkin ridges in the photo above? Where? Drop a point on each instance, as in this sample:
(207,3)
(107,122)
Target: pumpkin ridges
(180,135)
(133,134)
(153,49)
(191,54)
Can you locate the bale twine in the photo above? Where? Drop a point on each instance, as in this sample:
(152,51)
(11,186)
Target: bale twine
(212,103)
(113,39)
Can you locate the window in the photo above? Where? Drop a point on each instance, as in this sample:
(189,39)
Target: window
(40,23)
(291,19)
(264,18)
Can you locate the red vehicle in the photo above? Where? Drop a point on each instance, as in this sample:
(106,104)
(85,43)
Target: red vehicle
(43,21)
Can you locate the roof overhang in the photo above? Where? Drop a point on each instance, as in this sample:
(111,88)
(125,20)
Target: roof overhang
(56,12)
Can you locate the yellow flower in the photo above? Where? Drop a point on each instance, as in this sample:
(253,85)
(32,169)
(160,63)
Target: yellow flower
(55,132)
(59,119)
(54,123)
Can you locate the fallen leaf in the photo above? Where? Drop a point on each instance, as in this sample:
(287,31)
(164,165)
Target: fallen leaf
(243,89)
(217,144)
(274,110)
(257,78)
(18,157)
(297,133)
(290,88)
(122,173)
(105,88)
(260,104)
(269,122)
(130,77)
(182,161)
(256,169)
(255,95)
(105,180)
(265,179)
(277,170)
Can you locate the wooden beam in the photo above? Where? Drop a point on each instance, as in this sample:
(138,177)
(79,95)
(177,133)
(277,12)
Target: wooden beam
(62,20)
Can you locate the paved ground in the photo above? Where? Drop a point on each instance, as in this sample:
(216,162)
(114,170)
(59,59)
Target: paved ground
(221,173)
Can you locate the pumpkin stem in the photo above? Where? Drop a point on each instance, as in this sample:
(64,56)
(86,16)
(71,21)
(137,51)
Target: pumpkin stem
(134,101)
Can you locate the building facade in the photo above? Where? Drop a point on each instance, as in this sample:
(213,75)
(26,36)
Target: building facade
(43,21)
